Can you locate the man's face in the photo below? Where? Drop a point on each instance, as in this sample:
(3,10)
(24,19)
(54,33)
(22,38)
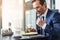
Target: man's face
(38,7)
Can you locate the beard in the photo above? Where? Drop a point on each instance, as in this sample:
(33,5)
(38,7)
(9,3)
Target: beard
(39,13)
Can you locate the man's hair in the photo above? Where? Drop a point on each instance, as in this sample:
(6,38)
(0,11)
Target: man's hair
(41,1)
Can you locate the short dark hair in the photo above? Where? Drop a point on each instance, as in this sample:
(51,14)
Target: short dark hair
(41,1)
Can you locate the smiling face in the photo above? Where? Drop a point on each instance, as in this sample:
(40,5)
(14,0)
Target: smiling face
(40,9)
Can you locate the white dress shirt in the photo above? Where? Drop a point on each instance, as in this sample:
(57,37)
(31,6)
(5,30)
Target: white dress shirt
(43,27)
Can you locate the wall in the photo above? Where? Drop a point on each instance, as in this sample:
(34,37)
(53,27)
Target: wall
(0,14)
(57,6)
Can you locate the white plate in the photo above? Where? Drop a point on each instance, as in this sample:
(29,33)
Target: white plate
(28,34)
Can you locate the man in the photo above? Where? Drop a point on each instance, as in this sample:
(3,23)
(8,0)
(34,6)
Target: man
(51,23)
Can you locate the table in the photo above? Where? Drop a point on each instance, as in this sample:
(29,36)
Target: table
(33,37)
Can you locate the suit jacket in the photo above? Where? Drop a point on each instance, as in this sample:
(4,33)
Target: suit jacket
(53,25)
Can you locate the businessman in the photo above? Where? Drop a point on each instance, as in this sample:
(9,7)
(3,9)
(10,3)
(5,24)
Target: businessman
(47,19)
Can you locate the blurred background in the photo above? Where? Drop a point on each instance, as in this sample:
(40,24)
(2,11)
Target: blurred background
(0,15)
(19,13)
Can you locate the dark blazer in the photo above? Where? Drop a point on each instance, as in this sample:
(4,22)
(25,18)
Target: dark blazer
(53,25)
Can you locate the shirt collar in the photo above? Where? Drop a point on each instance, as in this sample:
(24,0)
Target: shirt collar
(45,13)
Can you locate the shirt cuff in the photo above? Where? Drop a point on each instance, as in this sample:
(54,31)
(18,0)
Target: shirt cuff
(43,27)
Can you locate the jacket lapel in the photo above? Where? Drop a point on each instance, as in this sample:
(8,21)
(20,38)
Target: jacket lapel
(49,16)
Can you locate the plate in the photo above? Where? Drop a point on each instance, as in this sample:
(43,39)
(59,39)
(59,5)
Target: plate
(30,34)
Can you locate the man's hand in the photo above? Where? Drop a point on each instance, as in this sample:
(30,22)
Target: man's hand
(39,22)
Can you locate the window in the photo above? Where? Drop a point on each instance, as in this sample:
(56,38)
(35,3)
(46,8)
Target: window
(30,16)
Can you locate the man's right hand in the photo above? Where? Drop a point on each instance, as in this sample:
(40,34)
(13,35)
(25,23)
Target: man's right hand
(39,22)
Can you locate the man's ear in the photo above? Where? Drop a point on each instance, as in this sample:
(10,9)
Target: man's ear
(44,5)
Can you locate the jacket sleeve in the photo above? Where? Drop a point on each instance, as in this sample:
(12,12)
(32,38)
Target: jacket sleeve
(54,27)
(56,23)
(39,29)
